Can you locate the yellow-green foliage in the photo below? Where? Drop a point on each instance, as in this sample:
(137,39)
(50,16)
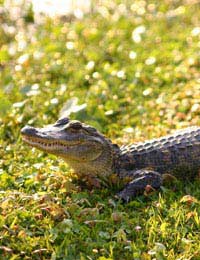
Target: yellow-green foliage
(135,66)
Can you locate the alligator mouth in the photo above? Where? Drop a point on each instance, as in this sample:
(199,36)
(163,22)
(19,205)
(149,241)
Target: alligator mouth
(47,145)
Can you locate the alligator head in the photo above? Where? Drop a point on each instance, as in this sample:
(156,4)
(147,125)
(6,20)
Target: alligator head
(86,150)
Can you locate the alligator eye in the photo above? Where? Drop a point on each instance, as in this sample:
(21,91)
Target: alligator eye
(76,126)
(62,121)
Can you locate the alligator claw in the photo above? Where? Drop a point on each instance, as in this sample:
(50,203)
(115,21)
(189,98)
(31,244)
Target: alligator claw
(122,197)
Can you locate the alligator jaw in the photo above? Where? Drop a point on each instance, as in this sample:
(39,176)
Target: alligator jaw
(85,149)
(46,146)
(43,139)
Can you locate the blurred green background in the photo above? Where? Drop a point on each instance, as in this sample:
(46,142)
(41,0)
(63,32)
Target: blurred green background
(129,68)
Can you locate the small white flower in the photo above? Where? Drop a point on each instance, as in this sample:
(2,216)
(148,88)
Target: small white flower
(136,34)
(150,61)
(140,29)
(195,31)
(195,107)
(54,101)
(132,55)
(23,59)
(70,45)
(128,130)
(90,65)
(35,86)
(136,38)
(147,91)
(120,74)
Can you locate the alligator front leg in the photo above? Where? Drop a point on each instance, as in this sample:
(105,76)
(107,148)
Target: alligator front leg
(142,179)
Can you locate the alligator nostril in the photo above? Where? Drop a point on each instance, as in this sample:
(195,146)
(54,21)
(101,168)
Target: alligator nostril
(28,130)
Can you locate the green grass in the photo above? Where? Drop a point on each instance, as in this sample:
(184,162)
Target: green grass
(44,213)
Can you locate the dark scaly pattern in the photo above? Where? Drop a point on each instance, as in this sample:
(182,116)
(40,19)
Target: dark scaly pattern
(141,165)
(173,153)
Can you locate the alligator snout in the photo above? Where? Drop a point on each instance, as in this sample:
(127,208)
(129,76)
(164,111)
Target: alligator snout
(28,130)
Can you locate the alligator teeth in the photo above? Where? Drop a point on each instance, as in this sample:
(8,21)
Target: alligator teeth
(42,145)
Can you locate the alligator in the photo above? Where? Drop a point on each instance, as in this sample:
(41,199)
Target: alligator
(90,153)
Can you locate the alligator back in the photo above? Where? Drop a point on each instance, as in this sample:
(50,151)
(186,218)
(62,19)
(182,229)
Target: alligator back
(172,153)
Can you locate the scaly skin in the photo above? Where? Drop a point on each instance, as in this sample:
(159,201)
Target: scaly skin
(90,153)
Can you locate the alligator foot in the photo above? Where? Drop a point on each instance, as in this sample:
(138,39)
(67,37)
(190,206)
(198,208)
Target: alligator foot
(144,180)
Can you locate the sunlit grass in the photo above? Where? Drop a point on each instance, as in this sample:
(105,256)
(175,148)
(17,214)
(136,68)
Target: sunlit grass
(130,70)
